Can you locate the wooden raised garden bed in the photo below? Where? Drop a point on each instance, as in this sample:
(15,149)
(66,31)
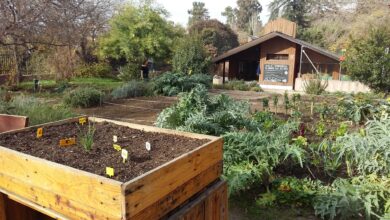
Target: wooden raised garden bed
(71,183)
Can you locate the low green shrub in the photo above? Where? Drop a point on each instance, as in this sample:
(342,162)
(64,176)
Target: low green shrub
(94,70)
(130,71)
(190,56)
(291,191)
(360,197)
(197,112)
(83,97)
(250,157)
(171,84)
(38,112)
(240,85)
(133,89)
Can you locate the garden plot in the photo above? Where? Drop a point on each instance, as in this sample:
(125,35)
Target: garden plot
(130,171)
(140,110)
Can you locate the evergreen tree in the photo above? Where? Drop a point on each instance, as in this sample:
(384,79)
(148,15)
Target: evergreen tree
(198,13)
(368,59)
(230,15)
(215,35)
(247,13)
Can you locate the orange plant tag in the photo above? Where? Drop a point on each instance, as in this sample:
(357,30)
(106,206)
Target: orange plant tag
(67,142)
(82,121)
(39,132)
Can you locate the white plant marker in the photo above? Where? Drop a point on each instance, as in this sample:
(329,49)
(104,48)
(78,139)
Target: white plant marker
(125,155)
(148,146)
(115,139)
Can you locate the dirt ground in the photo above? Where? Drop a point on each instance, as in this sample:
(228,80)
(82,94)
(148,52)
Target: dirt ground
(144,110)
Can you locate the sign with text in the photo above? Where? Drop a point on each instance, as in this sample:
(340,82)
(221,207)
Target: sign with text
(276,73)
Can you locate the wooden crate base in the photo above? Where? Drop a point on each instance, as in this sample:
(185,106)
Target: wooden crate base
(211,204)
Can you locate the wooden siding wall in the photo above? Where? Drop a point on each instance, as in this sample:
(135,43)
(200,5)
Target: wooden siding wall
(281,25)
(319,59)
(278,46)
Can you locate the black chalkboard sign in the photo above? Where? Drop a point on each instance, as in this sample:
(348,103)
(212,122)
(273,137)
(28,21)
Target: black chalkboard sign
(276,73)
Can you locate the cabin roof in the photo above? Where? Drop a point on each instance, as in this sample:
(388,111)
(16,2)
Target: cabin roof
(269,36)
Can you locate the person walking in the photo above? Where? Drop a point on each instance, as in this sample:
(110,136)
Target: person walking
(145,70)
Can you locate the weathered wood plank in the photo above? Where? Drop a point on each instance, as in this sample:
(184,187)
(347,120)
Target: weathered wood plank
(197,213)
(147,189)
(216,205)
(213,200)
(72,192)
(175,198)
(69,120)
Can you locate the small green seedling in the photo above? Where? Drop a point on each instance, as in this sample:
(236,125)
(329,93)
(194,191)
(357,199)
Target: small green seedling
(275,100)
(265,104)
(286,102)
(87,137)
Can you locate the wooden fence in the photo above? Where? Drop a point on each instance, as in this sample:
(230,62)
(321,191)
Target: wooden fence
(7,63)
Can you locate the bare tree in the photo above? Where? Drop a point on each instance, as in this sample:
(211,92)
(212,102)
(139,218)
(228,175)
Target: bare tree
(27,25)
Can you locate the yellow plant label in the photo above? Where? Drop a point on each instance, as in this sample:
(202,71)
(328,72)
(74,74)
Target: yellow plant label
(39,132)
(110,171)
(82,121)
(125,155)
(117,147)
(67,142)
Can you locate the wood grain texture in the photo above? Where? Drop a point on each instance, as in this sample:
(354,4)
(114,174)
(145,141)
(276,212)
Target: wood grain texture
(281,25)
(75,194)
(175,198)
(278,45)
(216,204)
(213,201)
(155,129)
(147,189)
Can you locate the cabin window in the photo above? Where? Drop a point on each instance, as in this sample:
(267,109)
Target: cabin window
(277,56)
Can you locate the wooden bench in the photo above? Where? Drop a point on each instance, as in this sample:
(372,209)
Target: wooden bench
(12,122)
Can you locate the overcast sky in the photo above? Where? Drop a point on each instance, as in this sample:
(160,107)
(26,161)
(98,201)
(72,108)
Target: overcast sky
(178,9)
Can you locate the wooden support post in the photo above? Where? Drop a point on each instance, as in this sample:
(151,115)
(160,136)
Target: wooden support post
(223,73)
(300,63)
(2,207)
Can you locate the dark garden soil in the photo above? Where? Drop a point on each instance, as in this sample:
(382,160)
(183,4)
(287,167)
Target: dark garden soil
(164,148)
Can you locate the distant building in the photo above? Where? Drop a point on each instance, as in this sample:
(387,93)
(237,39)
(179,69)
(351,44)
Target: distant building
(277,60)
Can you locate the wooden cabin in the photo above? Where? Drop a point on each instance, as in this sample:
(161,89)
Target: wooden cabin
(276,59)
